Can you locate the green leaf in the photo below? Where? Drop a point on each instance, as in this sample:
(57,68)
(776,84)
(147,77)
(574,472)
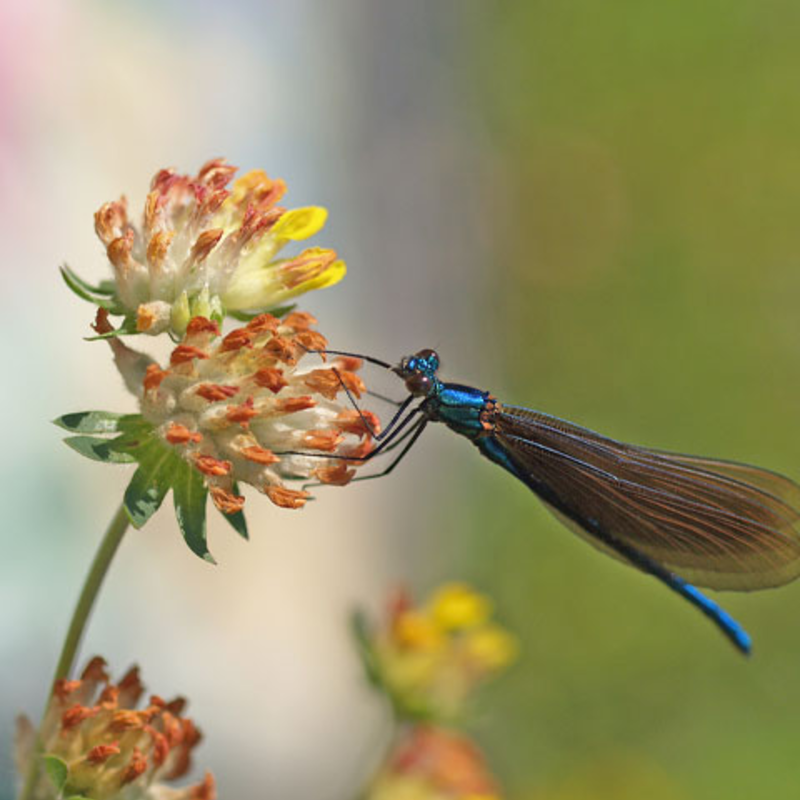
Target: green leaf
(237,520)
(282,311)
(136,424)
(127,328)
(361,632)
(158,465)
(241,316)
(161,468)
(189,494)
(84,290)
(90,422)
(57,770)
(278,311)
(98,449)
(104,287)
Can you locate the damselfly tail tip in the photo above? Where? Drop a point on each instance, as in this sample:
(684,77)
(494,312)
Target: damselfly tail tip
(741,639)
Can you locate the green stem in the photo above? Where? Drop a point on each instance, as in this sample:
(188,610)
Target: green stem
(91,587)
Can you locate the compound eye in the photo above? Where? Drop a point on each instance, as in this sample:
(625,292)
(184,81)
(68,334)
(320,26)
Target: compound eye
(427,354)
(419,384)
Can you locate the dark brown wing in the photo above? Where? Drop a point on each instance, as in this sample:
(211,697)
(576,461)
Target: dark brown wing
(717,524)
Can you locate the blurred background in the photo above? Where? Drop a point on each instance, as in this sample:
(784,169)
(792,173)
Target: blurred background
(590,209)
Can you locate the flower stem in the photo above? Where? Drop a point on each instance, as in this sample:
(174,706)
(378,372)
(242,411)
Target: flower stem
(91,587)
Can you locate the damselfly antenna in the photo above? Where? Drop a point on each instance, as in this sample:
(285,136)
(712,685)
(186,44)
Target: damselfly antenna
(370,359)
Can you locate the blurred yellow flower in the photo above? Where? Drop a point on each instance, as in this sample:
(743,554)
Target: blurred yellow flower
(104,746)
(206,250)
(431,658)
(416,630)
(456,605)
(491,647)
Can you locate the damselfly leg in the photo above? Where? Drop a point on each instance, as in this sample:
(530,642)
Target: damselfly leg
(384,445)
(409,438)
(401,405)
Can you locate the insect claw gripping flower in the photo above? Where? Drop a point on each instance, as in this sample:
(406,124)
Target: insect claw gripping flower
(252,407)
(204,249)
(107,747)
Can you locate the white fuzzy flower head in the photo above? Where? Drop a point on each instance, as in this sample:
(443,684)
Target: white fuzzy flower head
(204,249)
(111,745)
(255,407)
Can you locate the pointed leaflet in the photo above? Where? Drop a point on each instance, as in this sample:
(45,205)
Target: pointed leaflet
(110,451)
(90,422)
(98,449)
(362,633)
(237,520)
(278,311)
(158,466)
(127,328)
(189,494)
(161,468)
(96,295)
(137,442)
(105,287)
(57,770)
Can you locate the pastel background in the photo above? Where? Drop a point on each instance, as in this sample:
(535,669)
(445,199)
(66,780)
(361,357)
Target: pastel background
(586,208)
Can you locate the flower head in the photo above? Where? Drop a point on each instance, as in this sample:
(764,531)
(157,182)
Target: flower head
(431,763)
(204,248)
(430,658)
(110,745)
(242,409)
(227,411)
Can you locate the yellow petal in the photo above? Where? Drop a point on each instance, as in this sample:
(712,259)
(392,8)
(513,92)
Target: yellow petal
(300,223)
(456,606)
(491,647)
(416,631)
(332,274)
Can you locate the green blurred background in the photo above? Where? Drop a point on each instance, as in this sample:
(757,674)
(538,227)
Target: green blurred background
(644,281)
(587,208)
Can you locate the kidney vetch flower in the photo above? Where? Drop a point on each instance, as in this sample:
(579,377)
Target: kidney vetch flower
(97,742)
(204,249)
(253,407)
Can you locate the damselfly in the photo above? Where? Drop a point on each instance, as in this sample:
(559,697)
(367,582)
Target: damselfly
(682,519)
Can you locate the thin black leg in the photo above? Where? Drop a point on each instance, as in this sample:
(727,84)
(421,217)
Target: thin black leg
(414,432)
(400,426)
(393,422)
(372,432)
(401,406)
(383,397)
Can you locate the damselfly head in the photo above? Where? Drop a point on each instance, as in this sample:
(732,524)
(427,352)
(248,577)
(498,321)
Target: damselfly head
(419,372)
